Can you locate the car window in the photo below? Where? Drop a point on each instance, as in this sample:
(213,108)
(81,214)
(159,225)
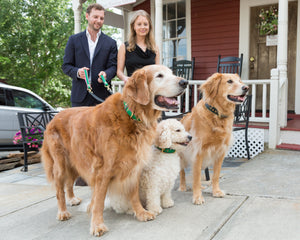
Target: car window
(2,97)
(26,100)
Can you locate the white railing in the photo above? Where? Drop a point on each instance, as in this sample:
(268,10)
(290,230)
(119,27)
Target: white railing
(264,84)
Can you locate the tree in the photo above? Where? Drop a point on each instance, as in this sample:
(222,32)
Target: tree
(33,36)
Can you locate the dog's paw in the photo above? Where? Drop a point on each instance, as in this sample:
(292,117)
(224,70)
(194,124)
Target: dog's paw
(167,203)
(63,216)
(198,200)
(98,230)
(144,216)
(155,209)
(218,194)
(182,189)
(74,201)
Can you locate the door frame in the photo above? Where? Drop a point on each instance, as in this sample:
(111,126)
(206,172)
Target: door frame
(244,41)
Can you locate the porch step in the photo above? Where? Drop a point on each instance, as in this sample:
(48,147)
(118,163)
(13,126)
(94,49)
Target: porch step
(290,137)
(286,146)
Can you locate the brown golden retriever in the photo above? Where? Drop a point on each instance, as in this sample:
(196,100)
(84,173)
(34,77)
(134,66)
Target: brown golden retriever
(107,145)
(210,124)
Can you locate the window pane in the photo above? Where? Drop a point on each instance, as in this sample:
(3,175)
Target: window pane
(168,49)
(2,97)
(168,62)
(181,9)
(26,100)
(164,13)
(182,49)
(171,29)
(171,11)
(165,31)
(181,29)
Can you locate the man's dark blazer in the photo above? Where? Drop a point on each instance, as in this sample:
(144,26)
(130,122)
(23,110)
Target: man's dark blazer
(77,56)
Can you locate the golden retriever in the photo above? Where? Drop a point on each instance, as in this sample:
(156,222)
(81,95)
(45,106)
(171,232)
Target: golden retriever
(210,124)
(109,144)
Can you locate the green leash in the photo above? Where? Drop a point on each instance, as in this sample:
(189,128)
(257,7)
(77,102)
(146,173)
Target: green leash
(89,87)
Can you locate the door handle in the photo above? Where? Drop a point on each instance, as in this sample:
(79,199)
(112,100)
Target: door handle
(252,59)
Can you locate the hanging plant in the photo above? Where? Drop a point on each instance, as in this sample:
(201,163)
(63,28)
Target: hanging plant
(268,21)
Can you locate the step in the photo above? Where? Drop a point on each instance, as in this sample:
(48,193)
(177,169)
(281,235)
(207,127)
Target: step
(286,146)
(290,137)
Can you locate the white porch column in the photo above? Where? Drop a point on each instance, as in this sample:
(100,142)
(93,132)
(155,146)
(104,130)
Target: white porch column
(158,26)
(282,52)
(77,8)
(274,128)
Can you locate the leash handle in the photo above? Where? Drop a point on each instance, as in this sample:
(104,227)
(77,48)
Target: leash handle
(105,83)
(87,79)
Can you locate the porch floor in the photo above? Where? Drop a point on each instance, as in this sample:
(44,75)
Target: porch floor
(293,123)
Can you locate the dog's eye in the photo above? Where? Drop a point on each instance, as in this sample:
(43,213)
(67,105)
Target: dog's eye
(230,81)
(160,75)
(178,130)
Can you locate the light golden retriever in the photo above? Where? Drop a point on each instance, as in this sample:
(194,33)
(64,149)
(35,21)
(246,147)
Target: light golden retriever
(210,124)
(109,144)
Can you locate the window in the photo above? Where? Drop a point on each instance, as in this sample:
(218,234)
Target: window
(26,100)
(2,97)
(174,32)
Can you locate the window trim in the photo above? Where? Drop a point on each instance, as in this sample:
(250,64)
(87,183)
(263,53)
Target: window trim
(188,25)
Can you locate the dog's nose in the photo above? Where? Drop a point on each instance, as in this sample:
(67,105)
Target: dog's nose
(183,83)
(245,88)
(190,137)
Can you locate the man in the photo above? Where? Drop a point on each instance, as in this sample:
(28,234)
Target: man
(97,53)
(94,51)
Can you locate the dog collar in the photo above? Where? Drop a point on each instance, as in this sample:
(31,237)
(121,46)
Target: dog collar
(166,150)
(215,111)
(130,113)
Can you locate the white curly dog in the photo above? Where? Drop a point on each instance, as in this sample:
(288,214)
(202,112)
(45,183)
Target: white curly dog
(158,177)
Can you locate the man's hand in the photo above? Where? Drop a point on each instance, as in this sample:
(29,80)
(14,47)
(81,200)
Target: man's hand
(80,72)
(103,74)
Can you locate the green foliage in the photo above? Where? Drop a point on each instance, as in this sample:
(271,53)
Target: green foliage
(33,36)
(268,21)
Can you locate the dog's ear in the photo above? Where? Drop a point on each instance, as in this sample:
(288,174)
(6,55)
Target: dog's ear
(137,87)
(164,138)
(211,86)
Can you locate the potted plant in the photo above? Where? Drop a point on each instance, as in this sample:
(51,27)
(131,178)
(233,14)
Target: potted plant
(34,143)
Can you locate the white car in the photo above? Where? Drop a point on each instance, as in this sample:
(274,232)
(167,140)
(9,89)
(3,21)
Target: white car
(13,100)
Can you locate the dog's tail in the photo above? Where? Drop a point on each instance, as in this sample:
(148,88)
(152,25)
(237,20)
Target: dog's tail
(47,161)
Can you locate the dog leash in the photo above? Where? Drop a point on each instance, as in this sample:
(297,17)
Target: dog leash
(89,87)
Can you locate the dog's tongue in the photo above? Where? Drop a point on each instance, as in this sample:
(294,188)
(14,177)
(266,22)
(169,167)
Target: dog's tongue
(239,98)
(168,101)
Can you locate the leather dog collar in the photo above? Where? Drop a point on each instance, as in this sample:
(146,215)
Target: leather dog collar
(215,111)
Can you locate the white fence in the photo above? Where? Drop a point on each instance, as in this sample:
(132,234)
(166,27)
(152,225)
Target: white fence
(192,95)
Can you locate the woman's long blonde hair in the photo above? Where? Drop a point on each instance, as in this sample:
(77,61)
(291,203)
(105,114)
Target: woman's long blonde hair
(150,42)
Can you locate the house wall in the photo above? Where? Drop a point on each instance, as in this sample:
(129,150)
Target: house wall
(144,6)
(214,31)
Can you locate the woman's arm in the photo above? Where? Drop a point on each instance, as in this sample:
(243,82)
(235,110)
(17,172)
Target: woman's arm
(121,63)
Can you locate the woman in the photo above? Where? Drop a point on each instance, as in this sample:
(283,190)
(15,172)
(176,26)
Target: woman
(140,50)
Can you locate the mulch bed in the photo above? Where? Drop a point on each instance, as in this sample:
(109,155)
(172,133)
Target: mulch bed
(17,159)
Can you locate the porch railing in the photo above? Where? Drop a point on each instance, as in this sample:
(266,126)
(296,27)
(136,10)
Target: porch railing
(192,95)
